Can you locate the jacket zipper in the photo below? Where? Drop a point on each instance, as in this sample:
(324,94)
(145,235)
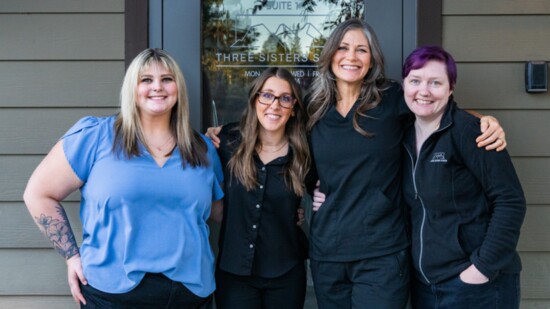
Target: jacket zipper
(417,197)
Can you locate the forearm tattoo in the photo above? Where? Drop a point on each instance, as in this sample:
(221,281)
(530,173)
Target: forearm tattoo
(59,232)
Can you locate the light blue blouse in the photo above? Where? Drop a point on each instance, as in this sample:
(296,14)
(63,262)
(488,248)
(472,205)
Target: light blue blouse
(138,217)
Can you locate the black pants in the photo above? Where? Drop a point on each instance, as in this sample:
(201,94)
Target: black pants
(380,282)
(252,292)
(155,291)
(503,293)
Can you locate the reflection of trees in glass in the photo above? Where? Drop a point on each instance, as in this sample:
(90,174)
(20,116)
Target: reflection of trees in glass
(316,50)
(295,44)
(348,9)
(221,30)
(292,38)
(273,45)
(219,33)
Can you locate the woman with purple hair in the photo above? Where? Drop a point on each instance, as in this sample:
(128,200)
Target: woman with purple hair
(466,205)
(359,249)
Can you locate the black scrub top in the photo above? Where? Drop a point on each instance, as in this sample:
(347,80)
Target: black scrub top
(362,216)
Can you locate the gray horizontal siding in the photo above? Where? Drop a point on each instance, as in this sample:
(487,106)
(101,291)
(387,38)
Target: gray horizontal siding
(36,130)
(493,7)
(60,83)
(33,272)
(62,36)
(534,174)
(59,61)
(497,38)
(496,86)
(535,274)
(534,304)
(38,302)
(16,171)
(535,232)
(56,6)
(525,131)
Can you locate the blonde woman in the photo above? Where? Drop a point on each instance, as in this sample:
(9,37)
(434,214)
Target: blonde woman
(147,182)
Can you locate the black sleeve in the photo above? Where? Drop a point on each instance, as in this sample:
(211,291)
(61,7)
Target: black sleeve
(311,177)
(230,136)
(506,199)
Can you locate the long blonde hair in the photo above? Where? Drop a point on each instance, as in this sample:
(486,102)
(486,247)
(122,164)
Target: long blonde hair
(242,165)
(324,89)
(128,126)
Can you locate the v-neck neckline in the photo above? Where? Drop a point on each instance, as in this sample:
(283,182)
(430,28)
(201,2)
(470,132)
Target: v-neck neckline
(152,157)
(158,164)
(350,111)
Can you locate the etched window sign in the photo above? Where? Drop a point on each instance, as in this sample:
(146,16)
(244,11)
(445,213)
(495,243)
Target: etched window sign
(243,37)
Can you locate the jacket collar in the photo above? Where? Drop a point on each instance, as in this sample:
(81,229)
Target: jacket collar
(447,118)
(445,122)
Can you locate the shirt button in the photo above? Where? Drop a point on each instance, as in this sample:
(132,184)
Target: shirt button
(251,246)
(254,226)
(263,168)
(257,205)
(261,187)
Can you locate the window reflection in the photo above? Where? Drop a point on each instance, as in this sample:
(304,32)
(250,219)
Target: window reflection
(243,37)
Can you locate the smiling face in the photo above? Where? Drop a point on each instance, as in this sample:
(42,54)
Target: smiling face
(352,60)
(427,91)
(157,91)
(273,117)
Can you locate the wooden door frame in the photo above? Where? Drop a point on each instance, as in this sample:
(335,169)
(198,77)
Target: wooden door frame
(429,22)
(136,29)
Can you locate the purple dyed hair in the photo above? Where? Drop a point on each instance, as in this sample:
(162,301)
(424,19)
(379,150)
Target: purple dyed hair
(420,56)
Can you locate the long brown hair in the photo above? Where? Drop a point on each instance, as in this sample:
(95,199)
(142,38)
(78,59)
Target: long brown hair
(128,126)
(242,166)
(324,89)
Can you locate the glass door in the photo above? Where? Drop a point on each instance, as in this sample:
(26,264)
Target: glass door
(241,38)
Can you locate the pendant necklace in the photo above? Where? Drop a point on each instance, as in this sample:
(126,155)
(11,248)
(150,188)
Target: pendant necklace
(273,151)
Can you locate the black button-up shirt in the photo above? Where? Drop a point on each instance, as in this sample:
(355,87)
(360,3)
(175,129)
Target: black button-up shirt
(259,235)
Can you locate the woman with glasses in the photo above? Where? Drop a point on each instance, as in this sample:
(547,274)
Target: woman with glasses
(265,159)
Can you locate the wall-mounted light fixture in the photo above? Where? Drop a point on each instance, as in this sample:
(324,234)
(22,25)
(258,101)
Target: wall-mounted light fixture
(536,76)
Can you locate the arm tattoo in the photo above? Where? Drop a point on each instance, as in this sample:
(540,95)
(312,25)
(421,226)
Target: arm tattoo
(59,232)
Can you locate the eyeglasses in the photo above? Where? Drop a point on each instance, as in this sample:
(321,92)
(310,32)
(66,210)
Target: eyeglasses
(267,98)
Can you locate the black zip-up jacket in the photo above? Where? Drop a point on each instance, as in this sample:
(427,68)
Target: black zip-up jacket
(466,204)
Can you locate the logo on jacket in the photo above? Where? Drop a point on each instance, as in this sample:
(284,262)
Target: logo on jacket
(438,157)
